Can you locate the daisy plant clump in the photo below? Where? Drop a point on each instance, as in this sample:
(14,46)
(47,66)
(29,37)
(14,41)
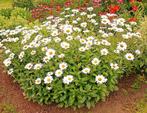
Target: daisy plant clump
(75,59)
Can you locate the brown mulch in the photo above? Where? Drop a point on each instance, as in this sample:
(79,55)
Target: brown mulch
(121,101)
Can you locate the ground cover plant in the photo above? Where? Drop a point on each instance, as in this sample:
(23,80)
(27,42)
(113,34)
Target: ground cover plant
(75,59)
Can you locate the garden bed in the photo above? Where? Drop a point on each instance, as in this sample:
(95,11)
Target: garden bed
(72,57)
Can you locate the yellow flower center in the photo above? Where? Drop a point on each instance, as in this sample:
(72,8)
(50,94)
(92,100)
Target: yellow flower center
(99,79)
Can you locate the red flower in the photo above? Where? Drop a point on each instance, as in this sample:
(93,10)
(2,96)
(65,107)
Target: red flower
(67,4)
(134,8)
(131,1)
(114,9)
(58,8)
(132,19)
(82,8)
(102,13)
(139,0)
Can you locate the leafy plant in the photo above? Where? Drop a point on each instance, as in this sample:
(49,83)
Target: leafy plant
(75,59)
(22,12)
(14,17)
(23,4)
(6,12)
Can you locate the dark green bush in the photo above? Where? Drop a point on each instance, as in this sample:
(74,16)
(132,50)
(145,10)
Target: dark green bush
(6,12)
(23,3)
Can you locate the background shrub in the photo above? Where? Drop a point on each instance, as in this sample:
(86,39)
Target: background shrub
(23,3)
(6,12)
(10,18)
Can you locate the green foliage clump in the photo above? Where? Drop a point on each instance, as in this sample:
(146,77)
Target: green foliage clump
(143,29)
(6,12)
(10,18)
(23,3)
(75,59)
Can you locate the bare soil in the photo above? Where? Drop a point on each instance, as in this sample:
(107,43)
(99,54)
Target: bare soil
(121,101)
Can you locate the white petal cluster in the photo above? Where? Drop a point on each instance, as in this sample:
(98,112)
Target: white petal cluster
(100,79)
(68,79)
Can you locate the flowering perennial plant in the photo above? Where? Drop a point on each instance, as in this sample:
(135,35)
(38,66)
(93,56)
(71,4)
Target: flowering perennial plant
(126,8)
(75,59)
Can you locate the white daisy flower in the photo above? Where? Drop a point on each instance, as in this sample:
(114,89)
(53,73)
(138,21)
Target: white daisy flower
(104,51)
(49,88)
(89,16)
(104,16)
(77,29)
(84,24)
(68,79)
(46,59)
(57,39)
(48,79)
(121,46)
(38,81)
(1,45)
(63,65)
(105,21)
(105,35)
(11,56)
(100,79)
(10,71)
(90,38)
(86,70)
(74,22)
(67,29)
(54,33)
(75,10)
(61,55)
(95,61)
(29,66)
(83,13)
(93,21)
(66,9)
(86,31)
(38,66)
(21,55)
(50,53)
(69,38)
(44,49)
(105,42)
(78,19)
(82,41)
(129,56)
(82,49)
(117,51)
(133,23)
(137,52)
(49,73)
(58,73)
(7,62)
(33,52)
(96,42)
(65,45)
(114,66)
(7,51)
(90,8)
(89,43)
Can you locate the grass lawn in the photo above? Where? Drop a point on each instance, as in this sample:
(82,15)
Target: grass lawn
(5,4)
